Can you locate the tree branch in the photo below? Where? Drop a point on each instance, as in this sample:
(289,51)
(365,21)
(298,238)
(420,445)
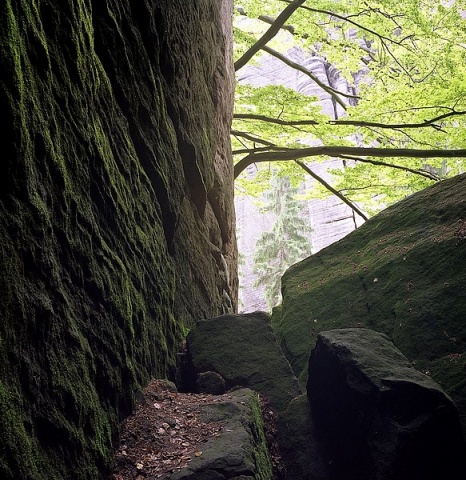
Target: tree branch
(423,173)
(347,19)
(331,189)
(269,34)
(264,118)
(331,91)
(251,137)
(338,151)
(356,123)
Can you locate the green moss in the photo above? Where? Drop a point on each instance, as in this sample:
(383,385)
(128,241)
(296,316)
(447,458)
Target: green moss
(261,453)
(93,303)
(401,273)
(16,442)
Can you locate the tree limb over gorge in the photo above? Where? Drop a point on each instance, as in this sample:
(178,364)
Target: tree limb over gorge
(341,151)
(331,189)
(357,123)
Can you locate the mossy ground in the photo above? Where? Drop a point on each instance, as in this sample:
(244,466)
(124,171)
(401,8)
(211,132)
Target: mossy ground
(402,273)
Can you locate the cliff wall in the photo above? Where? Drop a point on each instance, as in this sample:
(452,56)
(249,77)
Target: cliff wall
(116,214)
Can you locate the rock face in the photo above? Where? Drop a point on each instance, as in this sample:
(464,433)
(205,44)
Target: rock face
(401,273)
(240,450)
(243,350)
(375,416)
(116,214)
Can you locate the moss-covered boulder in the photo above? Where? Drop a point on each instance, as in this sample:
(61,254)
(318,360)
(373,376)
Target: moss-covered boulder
(402,273)
(116,214)
(243,350)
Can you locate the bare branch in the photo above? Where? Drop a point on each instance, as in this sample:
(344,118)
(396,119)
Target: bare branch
(338,151)
(269,34)
(242,151)
(264,118)
(331,189)
(253,138)
(333,93)
(358,123)
(423,173)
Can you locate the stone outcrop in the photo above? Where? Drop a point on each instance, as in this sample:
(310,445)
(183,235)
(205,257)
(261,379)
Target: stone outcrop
(240,450)
(116,214)
(376,416)
(402,274)
(243,350)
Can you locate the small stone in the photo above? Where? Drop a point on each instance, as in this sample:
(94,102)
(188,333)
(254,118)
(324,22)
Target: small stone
(170,421)
(211,382)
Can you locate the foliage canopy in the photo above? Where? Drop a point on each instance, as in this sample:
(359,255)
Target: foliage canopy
(404,65)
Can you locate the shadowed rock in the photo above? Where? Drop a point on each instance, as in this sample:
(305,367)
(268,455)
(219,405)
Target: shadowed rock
(210,382)
(242,349)
(239,451)
(376,416)
(401,273)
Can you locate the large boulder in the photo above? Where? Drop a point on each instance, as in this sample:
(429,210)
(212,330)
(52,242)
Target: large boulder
(243,350)
(401,273)
(375,416)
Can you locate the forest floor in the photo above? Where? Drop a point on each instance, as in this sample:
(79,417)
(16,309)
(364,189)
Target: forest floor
(165,433)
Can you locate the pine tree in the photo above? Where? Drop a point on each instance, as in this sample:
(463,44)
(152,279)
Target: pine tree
(286,243)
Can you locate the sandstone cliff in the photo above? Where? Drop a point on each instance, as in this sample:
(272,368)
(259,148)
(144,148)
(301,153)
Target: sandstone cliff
(329,218)
(116,214)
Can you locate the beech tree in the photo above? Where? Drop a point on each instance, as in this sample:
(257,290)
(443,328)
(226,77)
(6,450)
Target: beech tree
(398,128)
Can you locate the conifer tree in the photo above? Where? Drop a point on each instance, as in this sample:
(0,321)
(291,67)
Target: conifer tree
(286,243)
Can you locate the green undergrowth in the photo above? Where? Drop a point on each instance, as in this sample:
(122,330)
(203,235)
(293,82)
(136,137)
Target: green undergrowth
(401,273)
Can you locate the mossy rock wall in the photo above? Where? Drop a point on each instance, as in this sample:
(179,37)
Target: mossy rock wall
(402,273)
(116,214)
